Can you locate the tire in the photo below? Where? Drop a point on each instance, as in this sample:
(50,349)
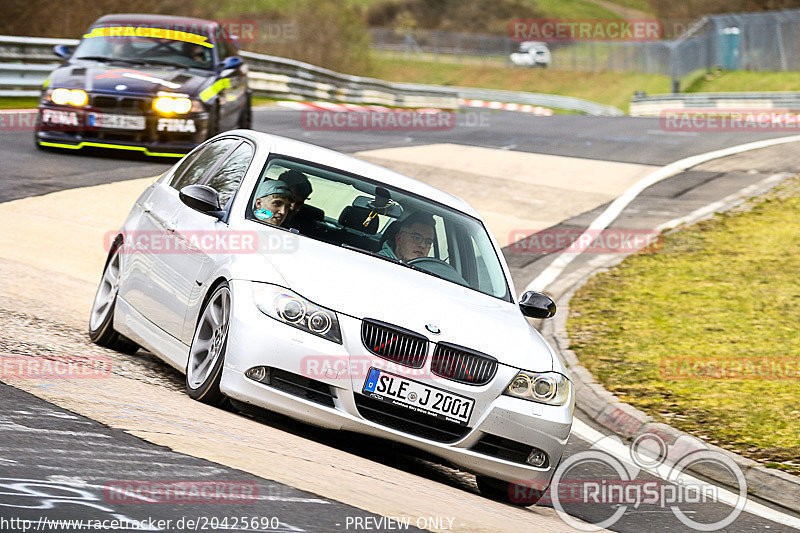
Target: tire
(246,116)
(213,122)
(510,493)
(207,353)
(101,319)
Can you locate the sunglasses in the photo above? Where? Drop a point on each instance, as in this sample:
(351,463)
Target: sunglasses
(418,238)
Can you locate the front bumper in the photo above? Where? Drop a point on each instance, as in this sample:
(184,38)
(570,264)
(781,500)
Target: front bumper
(258,340)
(72,128)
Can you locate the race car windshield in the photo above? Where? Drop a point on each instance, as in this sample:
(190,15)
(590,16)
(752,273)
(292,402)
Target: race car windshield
(142,45)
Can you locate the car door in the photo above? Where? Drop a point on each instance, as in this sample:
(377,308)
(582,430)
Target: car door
(209,238)
(232,98)
(167,268)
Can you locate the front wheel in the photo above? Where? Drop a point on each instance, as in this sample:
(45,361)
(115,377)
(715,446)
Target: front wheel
(207,353)
(101,320)
(246,116)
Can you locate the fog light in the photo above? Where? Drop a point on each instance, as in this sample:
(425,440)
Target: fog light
(258,373)
(537,458)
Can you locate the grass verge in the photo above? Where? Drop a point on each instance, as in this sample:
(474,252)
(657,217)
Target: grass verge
(702,335)
(611,88)
(19,103)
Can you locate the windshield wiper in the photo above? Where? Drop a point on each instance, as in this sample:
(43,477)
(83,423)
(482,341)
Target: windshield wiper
(393,260)
(162,62)
(373,254)
(111,58)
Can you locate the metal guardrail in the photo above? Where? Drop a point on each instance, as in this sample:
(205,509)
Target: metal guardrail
(649,106)
(25,63)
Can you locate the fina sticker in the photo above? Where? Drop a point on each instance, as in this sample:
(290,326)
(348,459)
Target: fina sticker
(263,214)
(176,124)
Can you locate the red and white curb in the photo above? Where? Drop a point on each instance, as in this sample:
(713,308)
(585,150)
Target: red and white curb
(330,106)
(522,108)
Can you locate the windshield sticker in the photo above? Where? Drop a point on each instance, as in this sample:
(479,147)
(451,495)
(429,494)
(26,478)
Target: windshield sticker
(155,33)
(136,75)
(263,214)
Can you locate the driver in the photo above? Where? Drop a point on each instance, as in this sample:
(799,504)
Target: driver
(414,238)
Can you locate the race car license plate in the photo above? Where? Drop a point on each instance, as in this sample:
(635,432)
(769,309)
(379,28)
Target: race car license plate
(417,397)
(119,122)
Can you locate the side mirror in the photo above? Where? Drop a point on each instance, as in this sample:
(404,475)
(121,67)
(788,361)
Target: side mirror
(63,51)
(537,305)
(230,64)
(202,198)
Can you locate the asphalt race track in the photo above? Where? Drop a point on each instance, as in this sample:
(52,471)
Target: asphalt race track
(43,447)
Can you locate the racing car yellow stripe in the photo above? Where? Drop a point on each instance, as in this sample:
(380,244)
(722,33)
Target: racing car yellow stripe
(114,146)
(144,31)
(211,91)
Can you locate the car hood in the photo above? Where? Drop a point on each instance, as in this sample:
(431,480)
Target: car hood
(363,286)
(136,79)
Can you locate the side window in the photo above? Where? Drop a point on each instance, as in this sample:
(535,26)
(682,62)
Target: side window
(222,45)
(226,179)
(196,168)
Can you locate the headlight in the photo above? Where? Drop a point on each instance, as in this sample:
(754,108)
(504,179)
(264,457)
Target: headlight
(290,308)
(74,97)
(169,104)
(547,387)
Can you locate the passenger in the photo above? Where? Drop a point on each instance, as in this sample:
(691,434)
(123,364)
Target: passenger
(301,189)
(274,202)
(414,238)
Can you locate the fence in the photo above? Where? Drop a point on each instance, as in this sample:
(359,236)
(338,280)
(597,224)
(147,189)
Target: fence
(768,41)
(25,63)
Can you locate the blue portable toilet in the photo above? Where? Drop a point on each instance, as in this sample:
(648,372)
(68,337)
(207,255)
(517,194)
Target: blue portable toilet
(729,46)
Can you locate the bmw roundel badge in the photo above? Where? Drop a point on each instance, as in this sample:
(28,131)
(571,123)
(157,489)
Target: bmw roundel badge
(433,329)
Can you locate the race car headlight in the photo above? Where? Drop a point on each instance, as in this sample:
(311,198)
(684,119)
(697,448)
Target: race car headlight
(551,388)
(75,97)
(292,309)
(169,105)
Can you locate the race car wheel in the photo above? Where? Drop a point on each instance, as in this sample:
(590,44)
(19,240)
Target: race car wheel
(213,122)
(207,353)
(101,320)
(246,116)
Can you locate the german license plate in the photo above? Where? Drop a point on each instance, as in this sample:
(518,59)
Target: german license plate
(119,122)
(417,397)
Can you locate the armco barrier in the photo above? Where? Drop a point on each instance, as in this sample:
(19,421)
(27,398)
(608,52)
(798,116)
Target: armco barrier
(653,106)
(26,61)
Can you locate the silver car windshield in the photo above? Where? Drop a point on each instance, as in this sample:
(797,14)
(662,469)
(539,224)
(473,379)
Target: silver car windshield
(379,220)
(169,48)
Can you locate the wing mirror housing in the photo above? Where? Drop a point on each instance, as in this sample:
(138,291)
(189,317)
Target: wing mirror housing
(63,51)
(202,198)
(537,305)
(229,65)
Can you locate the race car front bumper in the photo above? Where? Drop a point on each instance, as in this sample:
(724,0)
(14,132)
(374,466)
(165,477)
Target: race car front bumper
(145,132)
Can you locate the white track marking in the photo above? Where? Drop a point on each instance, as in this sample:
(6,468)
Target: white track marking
(560,263)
